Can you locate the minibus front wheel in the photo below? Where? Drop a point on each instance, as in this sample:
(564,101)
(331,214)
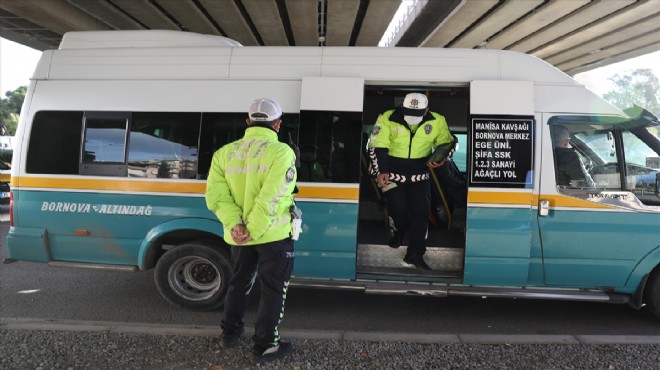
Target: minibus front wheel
(652,292)
(194,275)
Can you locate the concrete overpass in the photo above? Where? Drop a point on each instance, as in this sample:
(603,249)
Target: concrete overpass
(574,35)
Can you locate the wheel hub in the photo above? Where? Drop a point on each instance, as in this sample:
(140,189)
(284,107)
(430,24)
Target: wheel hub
(194,278)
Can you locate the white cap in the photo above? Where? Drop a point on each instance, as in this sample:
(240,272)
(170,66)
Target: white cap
(415,104)
(264,110)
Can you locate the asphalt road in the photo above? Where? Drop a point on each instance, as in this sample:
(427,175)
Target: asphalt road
(35,291)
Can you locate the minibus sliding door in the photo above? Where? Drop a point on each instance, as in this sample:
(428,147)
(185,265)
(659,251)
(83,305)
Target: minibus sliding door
(500,167)
(329,140)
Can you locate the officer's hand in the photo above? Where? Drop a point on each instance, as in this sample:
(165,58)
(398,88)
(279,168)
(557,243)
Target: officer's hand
(240,234)
(436,164)
(383,179)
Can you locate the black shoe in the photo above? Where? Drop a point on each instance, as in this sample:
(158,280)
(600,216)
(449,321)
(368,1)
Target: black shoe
(395,239)
(230,340)
(272,353)
(409,260)
(417,262)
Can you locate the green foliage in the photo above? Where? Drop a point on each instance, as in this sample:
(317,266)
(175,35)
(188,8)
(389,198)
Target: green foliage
(640,87)
(10,108)
(11,124)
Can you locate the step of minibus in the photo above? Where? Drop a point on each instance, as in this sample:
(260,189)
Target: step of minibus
(381,259)
(409,273)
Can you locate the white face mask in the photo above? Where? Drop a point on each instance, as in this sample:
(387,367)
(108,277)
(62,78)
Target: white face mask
(412,120)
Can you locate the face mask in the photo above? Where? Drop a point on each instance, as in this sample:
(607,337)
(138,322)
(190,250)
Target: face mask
(412,120)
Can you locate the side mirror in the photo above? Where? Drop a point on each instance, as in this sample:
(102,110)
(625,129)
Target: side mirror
(657,184)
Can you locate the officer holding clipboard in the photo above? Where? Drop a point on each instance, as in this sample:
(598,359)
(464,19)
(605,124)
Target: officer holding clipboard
(402,148)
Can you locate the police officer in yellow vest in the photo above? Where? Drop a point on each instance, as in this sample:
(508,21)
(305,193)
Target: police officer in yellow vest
(250,189)
(400,145)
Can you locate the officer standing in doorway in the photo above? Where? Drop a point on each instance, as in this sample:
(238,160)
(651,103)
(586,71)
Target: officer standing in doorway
(400,145)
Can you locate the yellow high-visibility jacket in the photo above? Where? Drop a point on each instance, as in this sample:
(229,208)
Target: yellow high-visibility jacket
(396,147)
(251,182)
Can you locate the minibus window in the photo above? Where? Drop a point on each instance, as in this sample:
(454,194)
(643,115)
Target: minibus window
(639,154)
(601,150)
(585,156)
(105,140)
(598,153)
(289,129)
(642,164)
(104,143)
(164,145)
(217,130)
(330,146)
(54,146)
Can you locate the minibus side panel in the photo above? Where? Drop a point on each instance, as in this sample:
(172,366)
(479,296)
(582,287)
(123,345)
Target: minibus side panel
(28,244)
(497,248)
(330,111)
(326,248)
(161,96)
(205,225)
(590,248)
(501,159)
(536,276)
(86,226)
(536,272)
(646,265)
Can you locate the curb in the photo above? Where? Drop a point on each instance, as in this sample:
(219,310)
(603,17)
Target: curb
(421,338)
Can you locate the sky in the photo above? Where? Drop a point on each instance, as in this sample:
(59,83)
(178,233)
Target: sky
(597,80)
(17,62)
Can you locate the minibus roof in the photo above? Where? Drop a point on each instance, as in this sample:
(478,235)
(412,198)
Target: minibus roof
(141,39)
(187,55)
(145,55)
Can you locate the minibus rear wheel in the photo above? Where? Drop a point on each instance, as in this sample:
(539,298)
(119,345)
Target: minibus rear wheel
(652,292)
(194,275)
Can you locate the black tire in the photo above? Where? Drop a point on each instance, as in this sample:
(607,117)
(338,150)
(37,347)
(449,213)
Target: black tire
(652,293)
(194,275)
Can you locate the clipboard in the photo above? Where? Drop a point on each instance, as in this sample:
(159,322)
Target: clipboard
(442,152)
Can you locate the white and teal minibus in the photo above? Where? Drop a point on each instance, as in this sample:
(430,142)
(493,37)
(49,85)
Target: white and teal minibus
(118,128)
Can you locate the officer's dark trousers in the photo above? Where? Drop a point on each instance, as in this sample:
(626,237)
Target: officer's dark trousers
(408,205)
(272,264)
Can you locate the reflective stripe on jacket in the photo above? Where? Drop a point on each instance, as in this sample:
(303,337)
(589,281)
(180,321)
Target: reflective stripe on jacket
(251,182)
(396,147)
